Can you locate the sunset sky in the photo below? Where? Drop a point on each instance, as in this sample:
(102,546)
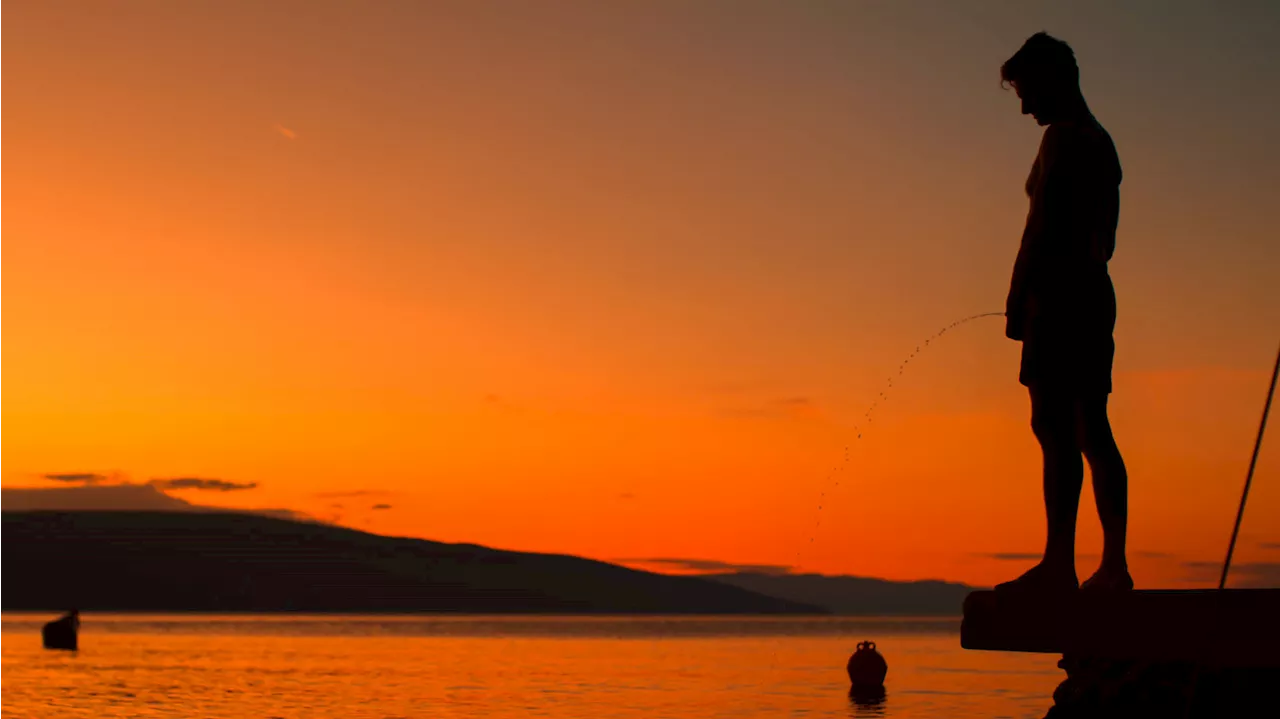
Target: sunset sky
(622,279)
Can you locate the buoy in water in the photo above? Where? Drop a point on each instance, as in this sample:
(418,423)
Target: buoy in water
(63,633)
(867,669)
(872,699)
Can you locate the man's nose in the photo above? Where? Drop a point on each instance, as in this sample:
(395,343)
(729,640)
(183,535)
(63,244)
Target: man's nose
(1025,111)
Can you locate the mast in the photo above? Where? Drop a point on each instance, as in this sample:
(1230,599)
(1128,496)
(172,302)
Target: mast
(1253,464)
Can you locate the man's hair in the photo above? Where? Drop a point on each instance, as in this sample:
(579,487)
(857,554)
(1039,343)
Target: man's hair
(1042,60)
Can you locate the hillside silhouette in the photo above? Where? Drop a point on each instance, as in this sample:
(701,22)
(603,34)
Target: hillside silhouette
(855,595)
(231,562)
(125,497)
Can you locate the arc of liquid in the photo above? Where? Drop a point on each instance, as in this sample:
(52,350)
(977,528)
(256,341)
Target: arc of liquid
(883,394)
(829,484)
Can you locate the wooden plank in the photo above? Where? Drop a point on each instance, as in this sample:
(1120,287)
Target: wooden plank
(1233,627)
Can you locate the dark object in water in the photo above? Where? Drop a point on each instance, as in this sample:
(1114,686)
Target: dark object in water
(867,668)
(63,633)
(869,699)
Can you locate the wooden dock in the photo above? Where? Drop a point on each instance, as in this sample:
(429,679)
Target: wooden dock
(1224,628)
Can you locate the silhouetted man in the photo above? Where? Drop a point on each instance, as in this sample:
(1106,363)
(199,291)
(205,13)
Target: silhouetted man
(1062,307)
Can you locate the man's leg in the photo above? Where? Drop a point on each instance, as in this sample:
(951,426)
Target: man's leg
(1110,490)
(1053,420)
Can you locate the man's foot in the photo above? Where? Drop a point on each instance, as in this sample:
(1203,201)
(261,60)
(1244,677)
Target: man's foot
(1042,579)
(1109,579)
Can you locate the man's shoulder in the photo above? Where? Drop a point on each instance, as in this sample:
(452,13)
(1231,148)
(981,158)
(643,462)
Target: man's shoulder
(1078,133)
(1078,143)
(1062,135)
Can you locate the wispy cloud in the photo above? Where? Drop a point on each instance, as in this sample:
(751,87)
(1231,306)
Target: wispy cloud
(501,403)
(737,386)
(76,477)
(381,506)
(780,408)
(353,493)
(1034,556)
(201,483)
(1251,575)
(292,515)
(286,132)
(708,566)
(1270,545)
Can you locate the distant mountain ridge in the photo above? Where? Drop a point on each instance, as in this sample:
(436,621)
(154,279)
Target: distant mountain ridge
(855,595)
(124,497)
(236,562)
(82,498)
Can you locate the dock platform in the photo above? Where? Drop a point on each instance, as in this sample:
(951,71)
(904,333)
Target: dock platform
(1224,628)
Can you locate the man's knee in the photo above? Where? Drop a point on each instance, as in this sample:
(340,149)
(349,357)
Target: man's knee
(1052,418)
(1045,427)
(1093,429)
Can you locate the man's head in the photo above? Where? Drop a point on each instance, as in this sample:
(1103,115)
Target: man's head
(1044,74)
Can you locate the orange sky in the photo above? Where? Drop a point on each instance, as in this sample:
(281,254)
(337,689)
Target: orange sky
(621,282)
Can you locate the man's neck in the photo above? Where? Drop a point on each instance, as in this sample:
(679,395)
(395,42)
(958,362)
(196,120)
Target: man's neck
(1074,111)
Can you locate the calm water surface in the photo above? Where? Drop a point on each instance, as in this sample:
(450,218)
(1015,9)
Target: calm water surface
(379,668)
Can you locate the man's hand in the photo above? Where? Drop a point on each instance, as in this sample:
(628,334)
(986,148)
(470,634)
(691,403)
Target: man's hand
(1015,304)
(1013,326)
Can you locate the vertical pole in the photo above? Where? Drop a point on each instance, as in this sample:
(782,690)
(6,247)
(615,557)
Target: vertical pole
(1253,463)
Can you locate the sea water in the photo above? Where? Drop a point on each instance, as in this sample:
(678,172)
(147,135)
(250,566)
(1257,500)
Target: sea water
(356,667)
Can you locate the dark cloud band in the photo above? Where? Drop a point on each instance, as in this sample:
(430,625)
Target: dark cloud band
(202,483)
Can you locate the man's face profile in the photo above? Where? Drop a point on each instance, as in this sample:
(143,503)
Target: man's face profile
(1032,102)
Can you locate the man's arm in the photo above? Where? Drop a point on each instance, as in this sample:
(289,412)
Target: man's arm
(1015,305)
(1049,194)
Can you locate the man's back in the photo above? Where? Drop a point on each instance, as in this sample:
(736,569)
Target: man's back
(1074,188)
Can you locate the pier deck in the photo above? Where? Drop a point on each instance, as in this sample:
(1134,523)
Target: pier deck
(1229,628)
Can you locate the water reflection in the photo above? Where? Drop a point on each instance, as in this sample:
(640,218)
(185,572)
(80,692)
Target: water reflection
(154,667)
(505,626)
(867,702)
